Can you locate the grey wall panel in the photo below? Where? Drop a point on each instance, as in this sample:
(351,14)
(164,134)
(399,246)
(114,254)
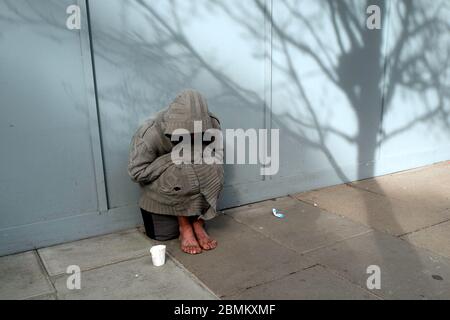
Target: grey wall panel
(350,102)
(416,119)
(70,228)
(146,51)
(51,176)
(327,80)
(46,164)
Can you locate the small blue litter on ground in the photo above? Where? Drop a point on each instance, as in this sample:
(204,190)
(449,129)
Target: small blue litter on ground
(277,213)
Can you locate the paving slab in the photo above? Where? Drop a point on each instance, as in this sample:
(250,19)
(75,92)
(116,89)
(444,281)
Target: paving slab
(244,258)
(313,283)
(393,216)
(135,279)
(435,238)
(428,186)
(407,272)
(22,277)
(304,227)
(95,252)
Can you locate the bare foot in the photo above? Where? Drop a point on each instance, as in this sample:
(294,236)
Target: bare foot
(188,242)
(203,238)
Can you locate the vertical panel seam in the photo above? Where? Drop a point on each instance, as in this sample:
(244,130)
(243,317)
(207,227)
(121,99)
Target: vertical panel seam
(268,76)
(104,202)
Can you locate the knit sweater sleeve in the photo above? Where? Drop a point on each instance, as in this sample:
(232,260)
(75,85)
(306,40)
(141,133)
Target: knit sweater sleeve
(144,165)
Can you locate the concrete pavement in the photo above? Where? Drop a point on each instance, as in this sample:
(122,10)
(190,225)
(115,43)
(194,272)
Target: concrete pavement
(115,266)
(329,238)
(320,250)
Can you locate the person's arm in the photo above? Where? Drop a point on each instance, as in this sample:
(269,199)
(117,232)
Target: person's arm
(143,164)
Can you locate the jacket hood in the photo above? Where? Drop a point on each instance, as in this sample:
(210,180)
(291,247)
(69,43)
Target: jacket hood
(188,106)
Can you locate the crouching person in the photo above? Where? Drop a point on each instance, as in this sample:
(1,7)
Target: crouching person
(176,197)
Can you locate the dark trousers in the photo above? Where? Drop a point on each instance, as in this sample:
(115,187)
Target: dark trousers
(160,227)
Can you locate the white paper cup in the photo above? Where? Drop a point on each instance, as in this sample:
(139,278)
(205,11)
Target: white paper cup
(158,255)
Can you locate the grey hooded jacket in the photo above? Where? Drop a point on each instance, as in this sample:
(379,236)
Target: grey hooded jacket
(168,188)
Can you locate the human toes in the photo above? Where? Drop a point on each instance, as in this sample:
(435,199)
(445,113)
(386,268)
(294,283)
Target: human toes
(212,244)
(196,250)
(192,249)
(209,244)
